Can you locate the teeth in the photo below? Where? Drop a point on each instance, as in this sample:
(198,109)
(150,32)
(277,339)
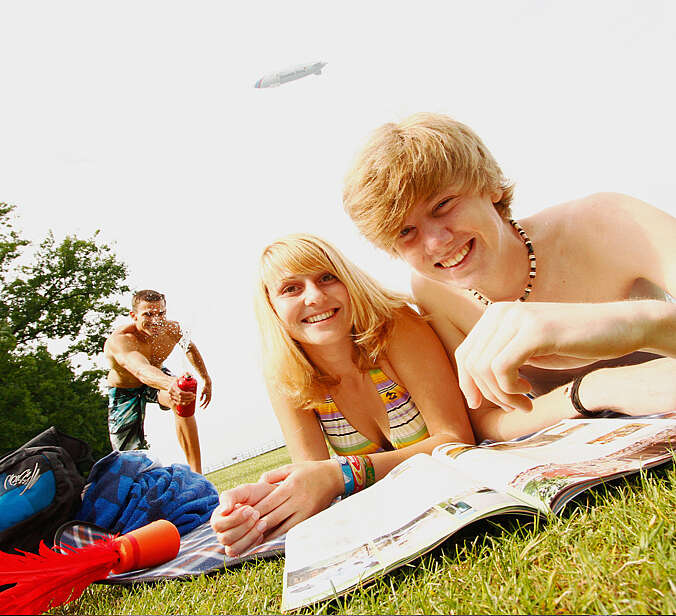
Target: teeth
(459,256)
(320,317)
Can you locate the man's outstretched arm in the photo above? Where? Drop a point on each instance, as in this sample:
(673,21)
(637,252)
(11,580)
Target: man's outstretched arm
(128,357)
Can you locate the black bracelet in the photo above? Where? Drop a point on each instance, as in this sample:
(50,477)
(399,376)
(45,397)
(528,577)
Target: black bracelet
(575,399)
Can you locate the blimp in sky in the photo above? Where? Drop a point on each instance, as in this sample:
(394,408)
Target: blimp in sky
(272,80)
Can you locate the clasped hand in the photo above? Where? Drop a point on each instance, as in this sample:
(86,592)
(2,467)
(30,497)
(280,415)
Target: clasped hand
(253,512)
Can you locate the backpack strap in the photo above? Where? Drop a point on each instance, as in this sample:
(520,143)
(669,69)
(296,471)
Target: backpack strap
(79,450)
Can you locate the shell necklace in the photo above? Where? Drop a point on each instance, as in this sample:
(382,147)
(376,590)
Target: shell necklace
(531,273)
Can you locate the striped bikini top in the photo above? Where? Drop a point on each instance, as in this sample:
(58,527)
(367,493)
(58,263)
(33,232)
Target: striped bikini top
(407,425)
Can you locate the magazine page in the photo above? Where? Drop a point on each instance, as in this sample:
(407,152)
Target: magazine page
(415,507)
(575,453)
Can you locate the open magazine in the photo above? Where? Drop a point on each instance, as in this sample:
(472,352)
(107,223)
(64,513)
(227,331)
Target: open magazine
(427,498)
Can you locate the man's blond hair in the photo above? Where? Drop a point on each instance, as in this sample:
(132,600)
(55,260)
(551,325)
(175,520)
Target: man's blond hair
(405,163)
(285,364)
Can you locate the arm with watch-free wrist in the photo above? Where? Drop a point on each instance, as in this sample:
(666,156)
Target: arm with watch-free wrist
(510,335)
(639,389)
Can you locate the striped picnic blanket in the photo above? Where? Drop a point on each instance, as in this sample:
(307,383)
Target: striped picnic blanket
(200,552)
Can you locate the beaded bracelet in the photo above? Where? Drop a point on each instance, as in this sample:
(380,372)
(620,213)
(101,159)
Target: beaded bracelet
(358,473)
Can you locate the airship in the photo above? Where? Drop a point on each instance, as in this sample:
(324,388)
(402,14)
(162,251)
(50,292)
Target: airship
(272,80)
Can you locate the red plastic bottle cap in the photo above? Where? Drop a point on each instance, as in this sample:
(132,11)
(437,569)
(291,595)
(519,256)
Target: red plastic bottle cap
(150,545)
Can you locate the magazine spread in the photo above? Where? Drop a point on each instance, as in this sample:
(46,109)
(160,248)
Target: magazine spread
(426,499)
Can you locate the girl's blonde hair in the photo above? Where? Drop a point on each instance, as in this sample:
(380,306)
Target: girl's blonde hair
(285,364)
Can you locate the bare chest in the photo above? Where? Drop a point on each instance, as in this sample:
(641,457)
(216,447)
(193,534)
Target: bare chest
(581,276)
(157,351)
(566,278)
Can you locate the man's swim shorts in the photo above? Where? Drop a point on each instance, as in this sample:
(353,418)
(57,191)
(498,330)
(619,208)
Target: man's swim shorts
(127,412)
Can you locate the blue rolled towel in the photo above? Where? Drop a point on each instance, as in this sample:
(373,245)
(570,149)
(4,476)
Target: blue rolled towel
(127,490)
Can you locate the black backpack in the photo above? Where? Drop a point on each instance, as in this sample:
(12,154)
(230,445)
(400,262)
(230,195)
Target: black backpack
(41,487)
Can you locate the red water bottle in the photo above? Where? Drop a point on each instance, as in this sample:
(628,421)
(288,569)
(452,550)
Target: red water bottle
(187,383)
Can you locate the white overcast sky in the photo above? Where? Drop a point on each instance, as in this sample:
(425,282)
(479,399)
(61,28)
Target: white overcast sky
(140,119)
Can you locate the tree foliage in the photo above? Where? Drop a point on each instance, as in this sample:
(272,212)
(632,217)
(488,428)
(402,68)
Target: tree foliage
(38,391)
(67,291)
(11,244)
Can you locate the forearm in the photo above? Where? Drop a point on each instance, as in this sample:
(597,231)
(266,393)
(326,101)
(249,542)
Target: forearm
(152,376)
(619,328)
(496,424)
(196,360)
(638,389)
(385,461)
(660,327)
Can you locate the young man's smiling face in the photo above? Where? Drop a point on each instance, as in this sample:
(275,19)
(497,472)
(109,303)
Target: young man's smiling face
(150,317)
(452,237)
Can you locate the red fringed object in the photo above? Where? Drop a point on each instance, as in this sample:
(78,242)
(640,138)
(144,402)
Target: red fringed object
(49,579)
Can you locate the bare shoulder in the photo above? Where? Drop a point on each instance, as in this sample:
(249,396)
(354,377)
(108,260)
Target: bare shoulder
(591,230)
(121,340)
(629,215)
(447,306)
(283,406)
(277,398)
(596,224)
(412,335)
(408,323)
(607,211)
(432,296)
(420,341)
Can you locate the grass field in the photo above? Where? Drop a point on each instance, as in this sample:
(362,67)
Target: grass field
(612,552)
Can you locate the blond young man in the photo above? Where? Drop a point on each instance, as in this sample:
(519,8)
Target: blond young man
(136,353)
(527,306)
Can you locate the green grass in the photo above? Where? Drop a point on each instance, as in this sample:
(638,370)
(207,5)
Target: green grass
(612,552)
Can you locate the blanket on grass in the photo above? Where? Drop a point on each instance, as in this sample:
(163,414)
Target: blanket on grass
(200,552)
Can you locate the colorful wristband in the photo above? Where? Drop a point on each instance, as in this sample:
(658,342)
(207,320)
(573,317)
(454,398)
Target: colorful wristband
(348,476)
(358,473)
(370,472)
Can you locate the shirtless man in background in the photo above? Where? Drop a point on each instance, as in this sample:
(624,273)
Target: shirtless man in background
(136,353)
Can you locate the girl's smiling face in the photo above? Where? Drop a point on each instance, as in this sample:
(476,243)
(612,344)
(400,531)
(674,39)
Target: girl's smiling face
(314,308)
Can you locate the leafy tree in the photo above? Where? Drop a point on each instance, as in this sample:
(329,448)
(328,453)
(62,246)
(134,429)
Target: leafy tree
(66,292)
(20,419)
(38,391)
(10,241)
